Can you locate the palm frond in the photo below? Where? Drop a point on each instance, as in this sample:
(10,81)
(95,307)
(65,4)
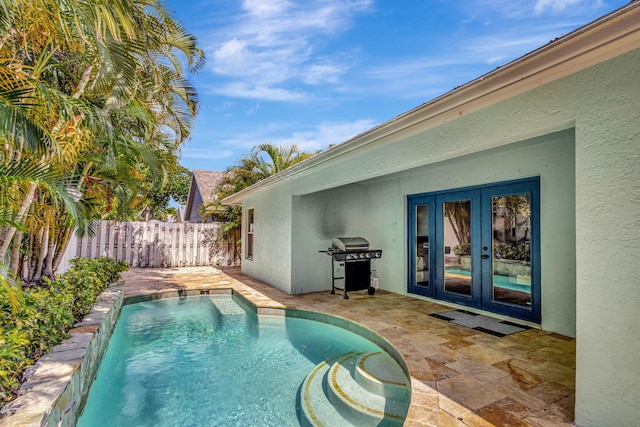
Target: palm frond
(10,285)
(22,131)
(47,178)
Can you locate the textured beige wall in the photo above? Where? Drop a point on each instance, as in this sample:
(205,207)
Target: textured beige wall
(608,245)
(271,261)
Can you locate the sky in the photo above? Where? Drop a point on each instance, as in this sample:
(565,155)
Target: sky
(318,72)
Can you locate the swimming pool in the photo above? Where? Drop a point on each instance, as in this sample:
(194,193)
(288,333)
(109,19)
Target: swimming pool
(206,361)
(506,282)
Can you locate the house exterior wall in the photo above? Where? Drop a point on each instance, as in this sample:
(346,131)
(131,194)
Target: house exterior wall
(607,244)
(317,218)
(271,261)
(580,134)
(376,210)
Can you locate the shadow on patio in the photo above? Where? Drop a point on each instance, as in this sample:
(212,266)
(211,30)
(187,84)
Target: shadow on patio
(460,376)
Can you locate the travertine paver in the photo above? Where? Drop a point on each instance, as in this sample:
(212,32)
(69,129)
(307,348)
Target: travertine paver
(460,377)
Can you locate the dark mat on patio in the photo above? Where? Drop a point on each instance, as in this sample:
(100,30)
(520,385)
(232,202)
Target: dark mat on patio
(479,322)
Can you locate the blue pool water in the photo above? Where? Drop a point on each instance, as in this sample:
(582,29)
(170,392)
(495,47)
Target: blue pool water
(205,361)
(505,282)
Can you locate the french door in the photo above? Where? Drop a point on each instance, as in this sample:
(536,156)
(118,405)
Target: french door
(478,247)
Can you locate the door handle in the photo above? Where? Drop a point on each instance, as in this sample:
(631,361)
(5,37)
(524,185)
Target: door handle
(485,256)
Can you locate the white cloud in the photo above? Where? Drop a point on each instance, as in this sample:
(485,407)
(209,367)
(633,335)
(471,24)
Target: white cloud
(206,154)
(417,77)
(557,6)
(317,137)
(496,48)
(469,20)
(322,73)
(232,49)
(262,92)
(324,135)
(274,42)
(495,10)
(239,61)
(273,51)
(457,60)
(508,9)
(231,56)
(265,7)
(508,43)
(254,109)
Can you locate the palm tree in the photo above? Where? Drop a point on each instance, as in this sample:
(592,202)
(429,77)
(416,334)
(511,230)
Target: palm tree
(89,90)
(264,160)
(278,158)
(19,175)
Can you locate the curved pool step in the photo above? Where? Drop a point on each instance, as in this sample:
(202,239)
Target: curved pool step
(380,374)
(332,394)
(356,402)
(227,306)
(317,410)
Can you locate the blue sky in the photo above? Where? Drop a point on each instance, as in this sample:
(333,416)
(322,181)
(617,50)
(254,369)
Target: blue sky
(317,72)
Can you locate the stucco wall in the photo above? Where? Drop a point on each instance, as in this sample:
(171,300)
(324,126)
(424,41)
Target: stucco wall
(318,218)
(376,210)
(271,261)
(608,244)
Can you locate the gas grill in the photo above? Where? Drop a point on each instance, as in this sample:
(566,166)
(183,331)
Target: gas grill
(351,264)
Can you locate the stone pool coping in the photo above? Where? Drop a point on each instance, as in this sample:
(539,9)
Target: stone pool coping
(56,387)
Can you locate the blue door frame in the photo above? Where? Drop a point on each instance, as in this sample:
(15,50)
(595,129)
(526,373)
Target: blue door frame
(432,282)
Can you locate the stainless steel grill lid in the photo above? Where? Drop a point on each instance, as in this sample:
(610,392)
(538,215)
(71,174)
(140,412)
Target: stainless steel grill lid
(350,243)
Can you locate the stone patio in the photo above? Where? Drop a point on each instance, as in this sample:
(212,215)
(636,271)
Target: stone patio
(460,376)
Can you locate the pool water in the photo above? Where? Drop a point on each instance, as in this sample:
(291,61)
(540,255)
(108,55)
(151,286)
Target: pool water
(505,282)
(205,361)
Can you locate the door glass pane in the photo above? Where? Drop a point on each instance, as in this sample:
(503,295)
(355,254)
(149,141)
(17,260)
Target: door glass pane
(457,247)
(422,242)
(511,228)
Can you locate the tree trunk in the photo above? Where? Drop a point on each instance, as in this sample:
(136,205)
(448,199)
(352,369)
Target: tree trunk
(48,261)
(82,84)
(63,243)
(14,263)
(27,264)
(7,233)
(43,246)
(24,270)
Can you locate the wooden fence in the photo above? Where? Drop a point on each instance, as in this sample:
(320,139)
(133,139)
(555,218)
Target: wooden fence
(149,244)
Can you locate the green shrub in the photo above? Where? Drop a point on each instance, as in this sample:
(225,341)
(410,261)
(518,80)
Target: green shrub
(462,249)
(512,252)
(46,314)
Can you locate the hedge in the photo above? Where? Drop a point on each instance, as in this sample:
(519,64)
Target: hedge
(45,315)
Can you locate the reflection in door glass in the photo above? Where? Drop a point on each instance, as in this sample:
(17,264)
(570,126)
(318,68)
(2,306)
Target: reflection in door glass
(457,247)
(511,227)
(422,242)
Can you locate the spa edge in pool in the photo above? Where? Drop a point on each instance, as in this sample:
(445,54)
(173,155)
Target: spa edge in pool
(210,360)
